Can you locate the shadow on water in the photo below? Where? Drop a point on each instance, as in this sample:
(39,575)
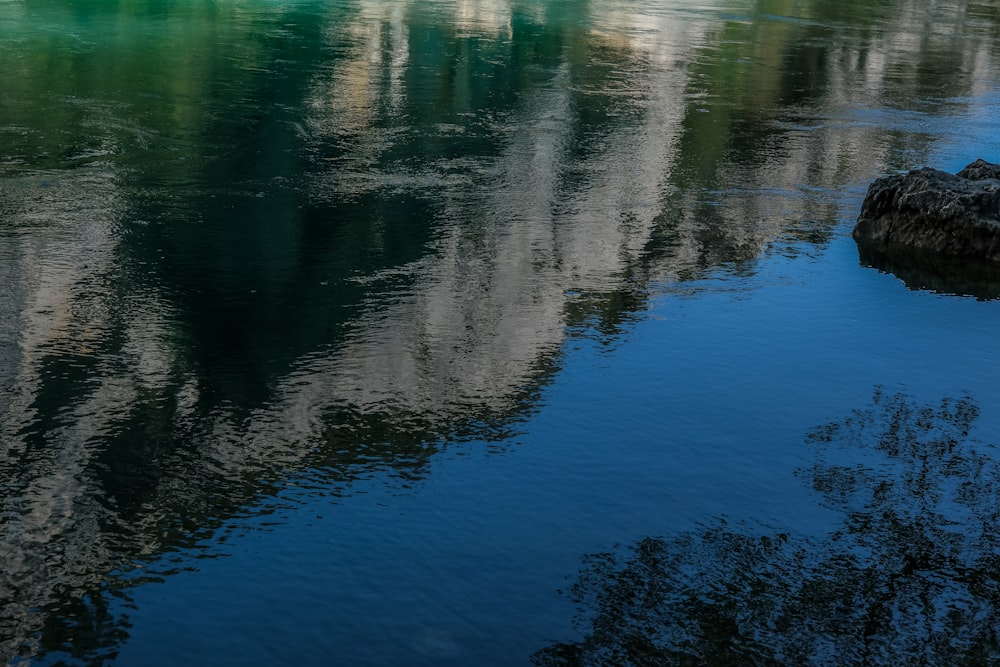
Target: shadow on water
(240,242)
(910,577)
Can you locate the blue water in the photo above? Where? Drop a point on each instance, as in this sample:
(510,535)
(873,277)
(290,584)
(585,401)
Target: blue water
(349,332)
(696,410)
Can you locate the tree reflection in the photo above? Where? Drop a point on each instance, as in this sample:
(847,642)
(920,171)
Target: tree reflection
(912,576)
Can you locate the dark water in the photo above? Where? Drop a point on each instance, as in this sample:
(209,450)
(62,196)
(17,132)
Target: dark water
(490,332)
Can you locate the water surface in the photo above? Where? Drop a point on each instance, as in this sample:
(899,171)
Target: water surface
(340,332)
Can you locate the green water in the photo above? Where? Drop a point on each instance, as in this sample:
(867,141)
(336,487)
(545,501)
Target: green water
(340,332)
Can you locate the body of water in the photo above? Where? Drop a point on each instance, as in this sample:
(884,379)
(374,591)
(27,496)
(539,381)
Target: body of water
(459,332)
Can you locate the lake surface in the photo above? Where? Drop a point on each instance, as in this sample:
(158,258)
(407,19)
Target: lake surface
(464,332)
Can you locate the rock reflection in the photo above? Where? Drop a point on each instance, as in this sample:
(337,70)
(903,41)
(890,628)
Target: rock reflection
(925,270)
(910,577)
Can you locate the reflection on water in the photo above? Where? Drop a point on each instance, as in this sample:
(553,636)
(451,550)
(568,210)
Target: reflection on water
(909,578)
(242,240)
(922,270)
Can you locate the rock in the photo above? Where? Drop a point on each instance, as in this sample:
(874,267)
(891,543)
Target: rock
(932,210)
(979,170)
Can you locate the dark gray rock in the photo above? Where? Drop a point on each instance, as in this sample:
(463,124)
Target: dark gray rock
(951,214)
(979,170)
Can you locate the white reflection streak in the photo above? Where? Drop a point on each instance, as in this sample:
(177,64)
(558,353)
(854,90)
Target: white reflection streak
(61,269)
(488,303)
(485,17)
(49,510)
(400,54)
